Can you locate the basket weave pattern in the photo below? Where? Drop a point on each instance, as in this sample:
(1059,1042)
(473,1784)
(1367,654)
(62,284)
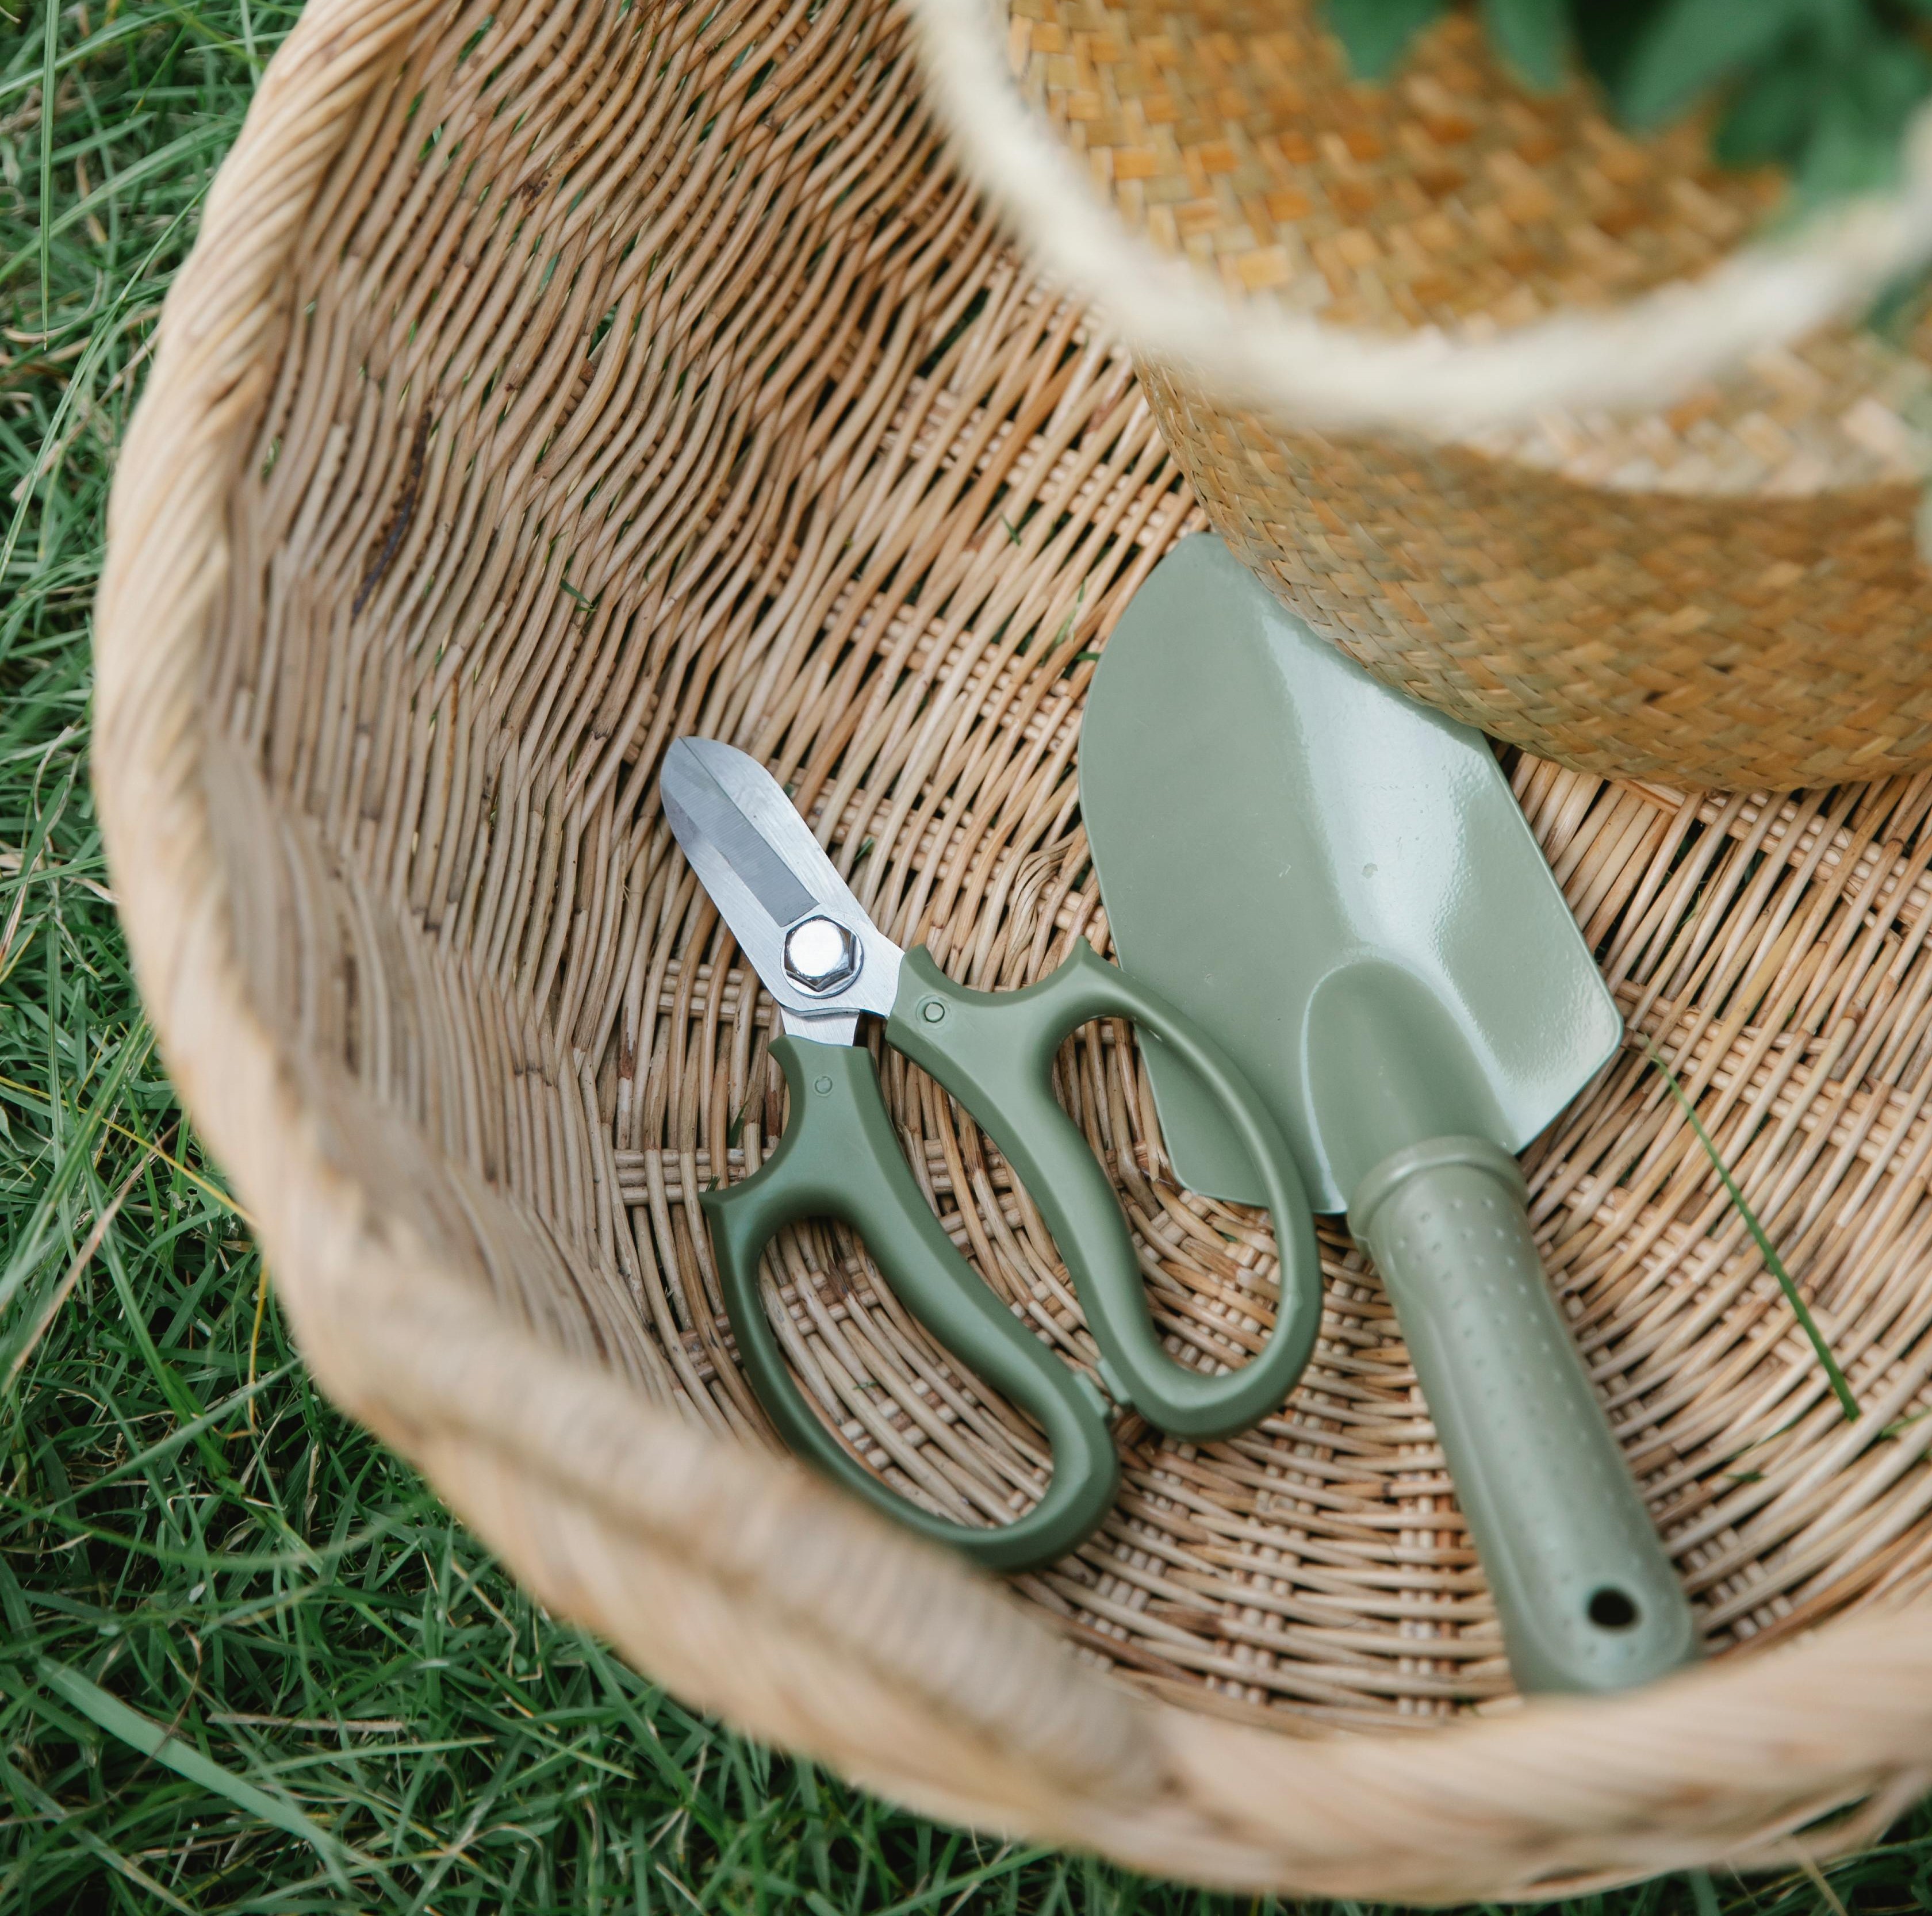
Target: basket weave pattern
(1231,132)
(549,381)
(1725,589)
(1726,640)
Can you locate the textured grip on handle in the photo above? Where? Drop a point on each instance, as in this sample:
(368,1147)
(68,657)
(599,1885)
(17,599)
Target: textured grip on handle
(1587,1598)
(994,1051)
(839,1158)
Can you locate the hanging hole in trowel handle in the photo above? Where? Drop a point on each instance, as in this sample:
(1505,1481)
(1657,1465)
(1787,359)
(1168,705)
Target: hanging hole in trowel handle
(1612,1609)
(1588,1598)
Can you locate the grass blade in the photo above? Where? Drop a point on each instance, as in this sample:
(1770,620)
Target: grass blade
(144,1734)
(1773,1262)
(82,1258)
(45,1807)
(50,53)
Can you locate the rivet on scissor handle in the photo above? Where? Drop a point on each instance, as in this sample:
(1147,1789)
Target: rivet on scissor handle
(932,1011)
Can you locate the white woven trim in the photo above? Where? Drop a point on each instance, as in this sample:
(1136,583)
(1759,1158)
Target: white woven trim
(1640,355)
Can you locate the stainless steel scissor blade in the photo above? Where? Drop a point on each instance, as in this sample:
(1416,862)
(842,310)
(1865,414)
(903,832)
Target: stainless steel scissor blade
(820,955)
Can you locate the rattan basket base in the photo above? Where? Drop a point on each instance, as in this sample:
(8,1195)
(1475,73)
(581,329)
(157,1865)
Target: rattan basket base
(551,380)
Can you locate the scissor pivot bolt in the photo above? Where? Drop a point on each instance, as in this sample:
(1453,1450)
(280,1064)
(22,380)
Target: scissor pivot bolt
(820,955)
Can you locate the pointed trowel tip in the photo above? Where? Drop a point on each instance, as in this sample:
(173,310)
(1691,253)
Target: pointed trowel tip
(1304,861)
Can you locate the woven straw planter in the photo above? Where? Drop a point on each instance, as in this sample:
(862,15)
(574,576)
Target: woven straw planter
(1531,417)
(552,380)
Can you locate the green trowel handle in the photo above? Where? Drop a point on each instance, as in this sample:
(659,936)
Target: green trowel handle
(994,1051)
(1588,1599)
(839,1158)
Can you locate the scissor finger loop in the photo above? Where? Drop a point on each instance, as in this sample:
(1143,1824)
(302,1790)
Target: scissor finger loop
(826,964)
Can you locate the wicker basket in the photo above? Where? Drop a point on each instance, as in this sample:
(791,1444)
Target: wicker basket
(1527,416)
(549,380)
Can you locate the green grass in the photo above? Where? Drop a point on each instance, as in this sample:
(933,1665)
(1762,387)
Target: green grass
(1841,1388)
(247,1662)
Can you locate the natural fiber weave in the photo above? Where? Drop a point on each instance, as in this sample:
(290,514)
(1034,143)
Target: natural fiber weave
(1632,543)
(551,380)
(1232,132)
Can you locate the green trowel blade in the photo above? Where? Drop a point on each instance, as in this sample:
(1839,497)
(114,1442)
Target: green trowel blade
(1324,874)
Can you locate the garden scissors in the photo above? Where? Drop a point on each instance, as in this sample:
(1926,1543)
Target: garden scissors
(826,964)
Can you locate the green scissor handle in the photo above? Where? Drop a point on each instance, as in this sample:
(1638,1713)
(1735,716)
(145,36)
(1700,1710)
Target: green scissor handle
(994,1051)
(839,1158)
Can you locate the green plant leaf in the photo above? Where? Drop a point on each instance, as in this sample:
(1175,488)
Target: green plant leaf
(1770,116)
(1893,79)
(1697,44)
(1845,154)
(1375,34)
(1533,36)
(1608,38)
(1855,143)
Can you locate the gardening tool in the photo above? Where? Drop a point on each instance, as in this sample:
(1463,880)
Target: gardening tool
(825,962)
(1336,884)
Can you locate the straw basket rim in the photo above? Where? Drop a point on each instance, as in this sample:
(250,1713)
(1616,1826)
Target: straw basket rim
(1641,353)
(817,1600)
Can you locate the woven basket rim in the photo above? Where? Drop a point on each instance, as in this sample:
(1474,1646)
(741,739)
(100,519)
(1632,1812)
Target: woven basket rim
(1713,1766)
(1640,353)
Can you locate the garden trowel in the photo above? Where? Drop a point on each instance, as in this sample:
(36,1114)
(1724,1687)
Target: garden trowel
(1336,884)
